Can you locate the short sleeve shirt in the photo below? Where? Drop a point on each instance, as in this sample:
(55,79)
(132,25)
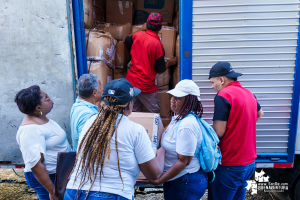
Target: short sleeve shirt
(145,50)
(134,148)
(48,139)
(184,139)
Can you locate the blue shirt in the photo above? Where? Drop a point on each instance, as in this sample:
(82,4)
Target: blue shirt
(81,111)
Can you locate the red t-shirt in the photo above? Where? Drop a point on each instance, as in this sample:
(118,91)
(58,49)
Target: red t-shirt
(146,48)
(238,106)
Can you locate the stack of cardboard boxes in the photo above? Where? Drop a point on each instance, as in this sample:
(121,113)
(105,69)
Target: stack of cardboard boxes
(109,22)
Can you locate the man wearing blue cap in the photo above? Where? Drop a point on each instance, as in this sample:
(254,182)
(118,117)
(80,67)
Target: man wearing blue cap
(235,114)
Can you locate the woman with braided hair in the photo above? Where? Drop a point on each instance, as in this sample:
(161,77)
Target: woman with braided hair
(183,178)
(113,150)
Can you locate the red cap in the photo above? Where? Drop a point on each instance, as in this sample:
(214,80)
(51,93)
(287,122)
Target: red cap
(155,19)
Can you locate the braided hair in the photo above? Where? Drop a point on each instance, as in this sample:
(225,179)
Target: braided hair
(95,145)
(192,104)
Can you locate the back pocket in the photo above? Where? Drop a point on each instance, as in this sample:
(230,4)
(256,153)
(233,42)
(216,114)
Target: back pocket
(235,177)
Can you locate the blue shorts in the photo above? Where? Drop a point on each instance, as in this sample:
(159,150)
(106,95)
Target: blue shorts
(33,183)
(230,182)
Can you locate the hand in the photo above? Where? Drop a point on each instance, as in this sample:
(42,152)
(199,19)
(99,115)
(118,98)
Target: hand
(153,182)
(173,61)
(52,196)
(161,150)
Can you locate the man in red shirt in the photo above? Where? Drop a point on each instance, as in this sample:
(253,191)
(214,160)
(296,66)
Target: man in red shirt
(147,59)
(235,114)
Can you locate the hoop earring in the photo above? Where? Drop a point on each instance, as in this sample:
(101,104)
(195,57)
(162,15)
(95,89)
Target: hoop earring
(41,113)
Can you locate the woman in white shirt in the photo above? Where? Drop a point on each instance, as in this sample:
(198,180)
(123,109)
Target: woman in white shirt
(113,150)
(39,139)
(183,178)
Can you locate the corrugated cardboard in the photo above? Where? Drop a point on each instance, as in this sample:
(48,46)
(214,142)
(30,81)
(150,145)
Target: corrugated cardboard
(153,125)
(176,75)
(100,14)
(88,13)
(134,2)
(176,71)
(167,37)
(122,56)
(118,31)
(164,102)
(163,80)
(176,22)
(100,69)
(145,7)
(101,46)
(120,73)
(120,12)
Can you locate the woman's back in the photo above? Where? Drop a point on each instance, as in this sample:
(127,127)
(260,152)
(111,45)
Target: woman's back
(134,148)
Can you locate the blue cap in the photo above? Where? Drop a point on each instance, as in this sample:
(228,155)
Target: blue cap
(122,90)
(223,69)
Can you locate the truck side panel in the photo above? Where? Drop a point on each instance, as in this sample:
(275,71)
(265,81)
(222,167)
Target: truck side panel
(35,50)
(260,40)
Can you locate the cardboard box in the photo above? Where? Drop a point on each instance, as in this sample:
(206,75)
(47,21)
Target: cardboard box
(176,22)
(101,46)
(120,12)
(122,56)
(163,80)
(100,69)
(120,73)
(166,122)
(100,14)
(167,37)
(164,103)
(153,125)
(88,13)
(176,75)
(145,7)
(177,48)
(133,1)
(118,31)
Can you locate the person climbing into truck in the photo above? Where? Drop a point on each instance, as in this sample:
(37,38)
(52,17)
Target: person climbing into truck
(147,59)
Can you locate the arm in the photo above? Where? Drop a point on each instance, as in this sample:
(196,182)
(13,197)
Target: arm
(172,61)
(220,127)
(41,174)
(260,113)
(154,168)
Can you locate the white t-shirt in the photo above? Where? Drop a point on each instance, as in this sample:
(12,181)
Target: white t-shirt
(182,141)
(134,147)
(49,139)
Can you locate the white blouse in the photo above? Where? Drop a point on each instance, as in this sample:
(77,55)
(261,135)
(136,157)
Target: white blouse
(185,140)
(49,139)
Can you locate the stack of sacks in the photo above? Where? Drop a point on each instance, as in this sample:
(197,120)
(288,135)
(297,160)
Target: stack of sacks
(101,49)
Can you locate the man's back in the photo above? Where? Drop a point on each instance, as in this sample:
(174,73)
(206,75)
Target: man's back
(238,145)
(81,111)
(145,50)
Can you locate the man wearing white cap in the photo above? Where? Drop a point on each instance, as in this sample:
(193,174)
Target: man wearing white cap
(183,178)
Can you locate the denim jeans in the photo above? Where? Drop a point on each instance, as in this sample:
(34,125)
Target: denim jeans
(187,187)
(71,195)
(230,182)
(32,182)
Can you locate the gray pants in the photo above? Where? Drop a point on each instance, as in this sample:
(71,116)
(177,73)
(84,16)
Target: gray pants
(150,101)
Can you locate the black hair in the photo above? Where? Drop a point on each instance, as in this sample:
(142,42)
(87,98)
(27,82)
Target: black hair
(232,79)
(192,104)
(153,27)
(28,98)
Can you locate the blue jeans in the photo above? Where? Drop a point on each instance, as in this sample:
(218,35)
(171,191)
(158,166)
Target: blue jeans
(230,182)
(187,187)
(32,182)
(71,195)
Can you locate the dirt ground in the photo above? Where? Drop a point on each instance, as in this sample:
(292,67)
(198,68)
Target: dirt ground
(13,187)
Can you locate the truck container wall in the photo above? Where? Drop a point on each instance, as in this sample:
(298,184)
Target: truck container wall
(260,40)
(35,50)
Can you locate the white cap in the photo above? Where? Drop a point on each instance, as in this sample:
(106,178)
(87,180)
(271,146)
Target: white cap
(184,88)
